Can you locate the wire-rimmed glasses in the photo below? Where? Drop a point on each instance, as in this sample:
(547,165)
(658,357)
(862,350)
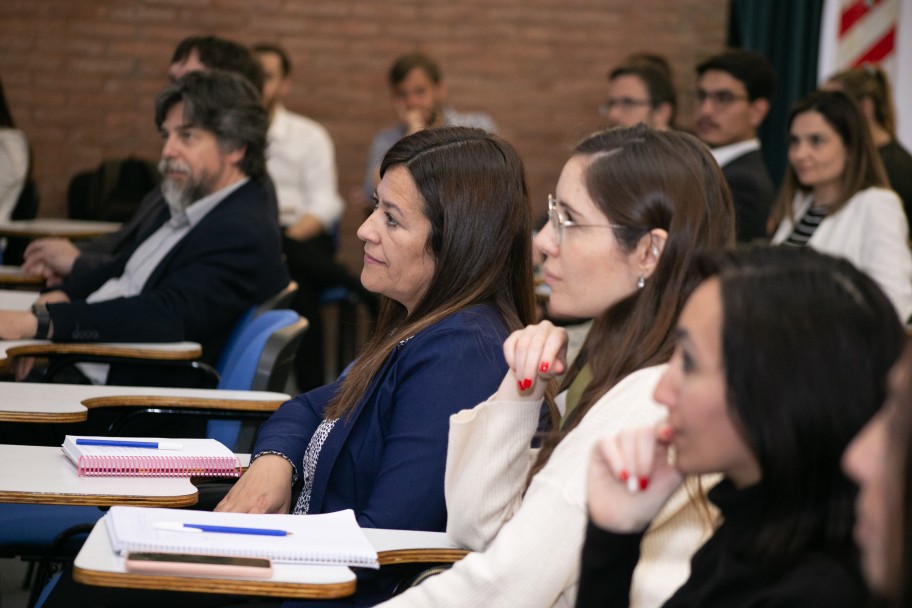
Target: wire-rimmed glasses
(559,222)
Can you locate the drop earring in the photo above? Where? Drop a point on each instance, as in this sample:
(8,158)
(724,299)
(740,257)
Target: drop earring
(641,282)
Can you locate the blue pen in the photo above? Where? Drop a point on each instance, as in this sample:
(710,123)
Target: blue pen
(123,443)
(173,526)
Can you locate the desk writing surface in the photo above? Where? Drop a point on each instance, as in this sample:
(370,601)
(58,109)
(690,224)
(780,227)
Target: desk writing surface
(97,564)
(56,227)
(179,351)
(14,299)
(14,275)
(34,402)
(43,475)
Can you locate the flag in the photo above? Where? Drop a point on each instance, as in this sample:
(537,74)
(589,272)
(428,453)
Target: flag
(854,32)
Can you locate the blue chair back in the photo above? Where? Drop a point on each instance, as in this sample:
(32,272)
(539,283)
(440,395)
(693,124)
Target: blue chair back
(238,362)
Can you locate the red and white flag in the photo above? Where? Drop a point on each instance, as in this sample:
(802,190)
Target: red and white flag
(854,32)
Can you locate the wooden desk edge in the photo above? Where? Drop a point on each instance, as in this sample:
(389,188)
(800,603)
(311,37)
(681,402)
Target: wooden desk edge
(203,403)
(41,417)
(214,585)
(62,348)
(99,500)
(63,233)
(7,278)
(417,556)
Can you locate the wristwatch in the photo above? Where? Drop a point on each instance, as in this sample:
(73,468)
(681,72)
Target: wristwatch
(44,320)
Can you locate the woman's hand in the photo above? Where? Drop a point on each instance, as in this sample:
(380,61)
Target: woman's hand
(264,488)
(630,479)
(535,355)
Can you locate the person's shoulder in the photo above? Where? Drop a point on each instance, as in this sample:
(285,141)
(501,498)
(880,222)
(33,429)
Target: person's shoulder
(14,137)
(478,120)
(479,317)
(303,124)
(875,197)
(800,585)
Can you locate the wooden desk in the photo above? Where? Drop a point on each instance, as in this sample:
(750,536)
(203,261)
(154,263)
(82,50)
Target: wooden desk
(13,275)
(56,227)
(160,351)
(31,402)
(43,475)
(97,564)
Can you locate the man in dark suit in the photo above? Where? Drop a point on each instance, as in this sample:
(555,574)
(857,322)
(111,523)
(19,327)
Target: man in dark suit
(56,258)
(733,97)
(209,254)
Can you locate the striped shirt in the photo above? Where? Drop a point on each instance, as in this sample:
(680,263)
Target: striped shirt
(806,226)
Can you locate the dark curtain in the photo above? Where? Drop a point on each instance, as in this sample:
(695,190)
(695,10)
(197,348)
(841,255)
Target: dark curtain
(787,33)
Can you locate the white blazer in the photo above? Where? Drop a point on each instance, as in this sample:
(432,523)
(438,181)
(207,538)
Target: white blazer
(871,231)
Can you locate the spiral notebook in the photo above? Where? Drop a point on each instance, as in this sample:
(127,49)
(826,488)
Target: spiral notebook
(327,539)
(195,458)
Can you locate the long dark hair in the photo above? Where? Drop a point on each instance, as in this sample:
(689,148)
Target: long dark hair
(473,190)
(899,494)
(643,179)
(807,342)
(863,169)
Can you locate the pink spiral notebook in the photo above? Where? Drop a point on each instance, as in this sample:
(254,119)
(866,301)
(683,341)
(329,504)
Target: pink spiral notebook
(194,458)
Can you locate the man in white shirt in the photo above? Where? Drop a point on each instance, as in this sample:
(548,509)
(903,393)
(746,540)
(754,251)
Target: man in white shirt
(301,162)
(733,98)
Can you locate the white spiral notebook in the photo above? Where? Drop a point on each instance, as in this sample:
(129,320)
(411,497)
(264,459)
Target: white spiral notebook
(326,539)
(180,457)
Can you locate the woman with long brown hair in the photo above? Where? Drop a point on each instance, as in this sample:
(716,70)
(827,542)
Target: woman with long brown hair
(447,245)
(632,206)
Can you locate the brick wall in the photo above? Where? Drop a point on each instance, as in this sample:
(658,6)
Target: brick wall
(80,74)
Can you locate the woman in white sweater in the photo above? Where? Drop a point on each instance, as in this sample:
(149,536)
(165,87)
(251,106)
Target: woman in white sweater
(632,208)
(835,196)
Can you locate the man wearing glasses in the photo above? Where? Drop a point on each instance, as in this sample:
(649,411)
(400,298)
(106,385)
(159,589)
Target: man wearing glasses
(732,99)
(640,91)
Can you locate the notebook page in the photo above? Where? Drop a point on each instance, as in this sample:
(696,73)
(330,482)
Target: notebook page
(330,538)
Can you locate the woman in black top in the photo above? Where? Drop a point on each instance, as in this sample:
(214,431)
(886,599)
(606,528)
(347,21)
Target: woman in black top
(781,358)
(879,459)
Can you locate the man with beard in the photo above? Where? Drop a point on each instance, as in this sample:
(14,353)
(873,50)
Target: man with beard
(732,99)
(211,252)
(57,258)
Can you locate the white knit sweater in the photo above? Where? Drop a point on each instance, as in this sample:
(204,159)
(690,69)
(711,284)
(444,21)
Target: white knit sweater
(528,548)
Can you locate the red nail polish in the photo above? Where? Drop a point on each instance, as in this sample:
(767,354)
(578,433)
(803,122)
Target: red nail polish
(527,383)
(644,483)
(624,476)
(544,367)
(519,383)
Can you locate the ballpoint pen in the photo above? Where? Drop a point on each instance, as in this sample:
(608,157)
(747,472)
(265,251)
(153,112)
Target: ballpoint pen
(175,526)
(126,443)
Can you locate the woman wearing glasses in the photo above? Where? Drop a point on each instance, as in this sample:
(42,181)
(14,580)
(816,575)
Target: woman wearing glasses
(631,208)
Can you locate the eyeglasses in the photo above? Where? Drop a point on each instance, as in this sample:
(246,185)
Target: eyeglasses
(624,103)
(719,99)
(559,222)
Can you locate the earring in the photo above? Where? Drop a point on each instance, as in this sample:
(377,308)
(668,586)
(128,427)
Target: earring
(641,282)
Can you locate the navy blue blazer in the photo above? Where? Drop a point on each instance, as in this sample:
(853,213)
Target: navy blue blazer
(230,261)
(387,460)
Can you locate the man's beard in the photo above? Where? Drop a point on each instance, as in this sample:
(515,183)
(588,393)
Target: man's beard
(180,196)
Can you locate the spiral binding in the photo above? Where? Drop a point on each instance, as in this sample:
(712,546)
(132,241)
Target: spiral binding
(110,465)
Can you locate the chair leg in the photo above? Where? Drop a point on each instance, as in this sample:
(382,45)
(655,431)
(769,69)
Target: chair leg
(51,555)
